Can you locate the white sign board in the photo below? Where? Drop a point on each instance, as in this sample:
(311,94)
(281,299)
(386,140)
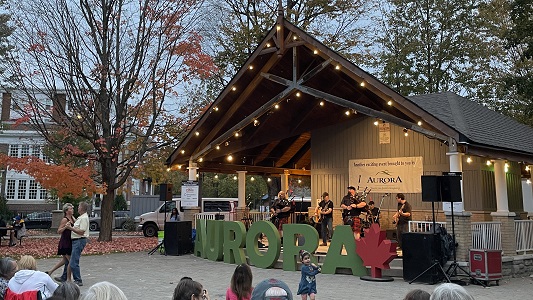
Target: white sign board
(457,207)
(189,193)
(387,175)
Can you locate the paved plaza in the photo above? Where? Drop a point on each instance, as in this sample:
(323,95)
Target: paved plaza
(143,276)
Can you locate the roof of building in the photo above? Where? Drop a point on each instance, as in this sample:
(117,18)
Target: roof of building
(477,124)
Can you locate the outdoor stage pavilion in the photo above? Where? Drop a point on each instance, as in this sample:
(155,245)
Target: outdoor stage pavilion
(298,108)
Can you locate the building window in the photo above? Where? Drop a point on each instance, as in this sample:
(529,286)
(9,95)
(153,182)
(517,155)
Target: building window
(32,193)
(10,191)
(36,151)
(44,194)
(24,150)
(22,190)
(14,150)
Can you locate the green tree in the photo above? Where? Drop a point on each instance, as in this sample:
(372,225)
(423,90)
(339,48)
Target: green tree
(519,84)
(429,46)
(5,213)
(5,32)
(236,27)
(109,73)
(120,203)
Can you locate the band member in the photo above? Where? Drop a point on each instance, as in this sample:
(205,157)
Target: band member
(374,212)
(325,211)
(402,217)
(352,208)
(281,211)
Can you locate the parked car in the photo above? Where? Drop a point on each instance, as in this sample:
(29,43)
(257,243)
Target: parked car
(38,220)
(120,218)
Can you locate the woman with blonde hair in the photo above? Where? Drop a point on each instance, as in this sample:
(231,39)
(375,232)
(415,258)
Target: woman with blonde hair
(64,248)
(29,279)
(103,291)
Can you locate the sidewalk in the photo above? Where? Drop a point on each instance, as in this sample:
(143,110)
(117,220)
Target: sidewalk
(143,276)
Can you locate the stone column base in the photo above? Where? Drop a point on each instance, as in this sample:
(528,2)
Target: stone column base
(507,231)
(188,214)
(463,233)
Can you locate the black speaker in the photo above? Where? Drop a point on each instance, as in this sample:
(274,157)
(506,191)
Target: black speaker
(450,187)
(178,238)
(420,251)
(431,188)
(165,192)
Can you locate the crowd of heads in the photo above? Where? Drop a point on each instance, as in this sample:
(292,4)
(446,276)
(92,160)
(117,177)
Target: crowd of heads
(445,291)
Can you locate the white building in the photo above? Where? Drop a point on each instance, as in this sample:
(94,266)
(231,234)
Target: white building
(22,192)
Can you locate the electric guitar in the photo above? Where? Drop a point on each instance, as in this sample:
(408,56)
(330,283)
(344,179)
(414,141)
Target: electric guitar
(318,217)
(396,216)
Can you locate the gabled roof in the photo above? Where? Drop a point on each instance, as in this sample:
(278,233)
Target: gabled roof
(291,85)
(479,127)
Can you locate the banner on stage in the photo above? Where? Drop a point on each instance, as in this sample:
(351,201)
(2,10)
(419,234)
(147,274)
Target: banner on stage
(387,175)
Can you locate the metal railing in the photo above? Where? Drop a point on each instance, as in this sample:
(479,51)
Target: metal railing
(524,235)
(423,226)
(229,216)
(486,235)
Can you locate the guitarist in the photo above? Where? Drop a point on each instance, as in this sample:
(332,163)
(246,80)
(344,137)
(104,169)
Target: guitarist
(326,218)
(402,217)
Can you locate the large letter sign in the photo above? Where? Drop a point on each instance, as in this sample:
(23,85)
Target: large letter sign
(234,239)
(334,259)
(270,257)
(290,250)
(217,240)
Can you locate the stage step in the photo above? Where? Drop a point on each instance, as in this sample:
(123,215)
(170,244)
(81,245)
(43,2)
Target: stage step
(396,265)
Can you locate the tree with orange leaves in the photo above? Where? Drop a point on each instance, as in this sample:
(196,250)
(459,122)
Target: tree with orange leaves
(111,74)
(62,179)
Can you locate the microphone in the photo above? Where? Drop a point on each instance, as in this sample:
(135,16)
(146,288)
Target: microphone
(386,194)
(218,208)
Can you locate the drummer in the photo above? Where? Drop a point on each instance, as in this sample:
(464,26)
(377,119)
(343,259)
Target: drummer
(374,211)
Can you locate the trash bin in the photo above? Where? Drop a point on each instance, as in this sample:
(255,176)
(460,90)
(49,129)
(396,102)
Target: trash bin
(486,265)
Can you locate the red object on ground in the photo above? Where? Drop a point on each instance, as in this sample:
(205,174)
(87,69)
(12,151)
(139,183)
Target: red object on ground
(375,250)
(486,264)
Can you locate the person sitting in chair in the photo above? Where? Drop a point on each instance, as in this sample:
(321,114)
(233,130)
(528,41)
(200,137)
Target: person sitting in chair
(18,232)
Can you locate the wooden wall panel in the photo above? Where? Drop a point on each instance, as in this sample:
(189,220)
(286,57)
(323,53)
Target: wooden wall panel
(334,146)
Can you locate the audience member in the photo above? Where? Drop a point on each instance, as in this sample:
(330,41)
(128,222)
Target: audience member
(417,294)
(241,284)
(103,291)
(270,289)
(8,267)
(188,289)
(29,279)
(18,232)
(450,291)
(67,290)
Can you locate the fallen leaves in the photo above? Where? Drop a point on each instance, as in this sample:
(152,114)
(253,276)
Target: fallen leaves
(46,247)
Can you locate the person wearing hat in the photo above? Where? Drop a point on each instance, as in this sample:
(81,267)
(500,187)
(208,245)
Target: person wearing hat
(280,211)
(325,210)
(272,289)
(352,207)
(19,230)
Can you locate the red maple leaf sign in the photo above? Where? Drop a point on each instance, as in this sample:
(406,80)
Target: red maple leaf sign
(375,250)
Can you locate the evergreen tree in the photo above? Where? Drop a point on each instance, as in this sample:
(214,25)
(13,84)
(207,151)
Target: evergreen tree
(429,46)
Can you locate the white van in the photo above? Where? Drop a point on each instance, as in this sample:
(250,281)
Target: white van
(151,222)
